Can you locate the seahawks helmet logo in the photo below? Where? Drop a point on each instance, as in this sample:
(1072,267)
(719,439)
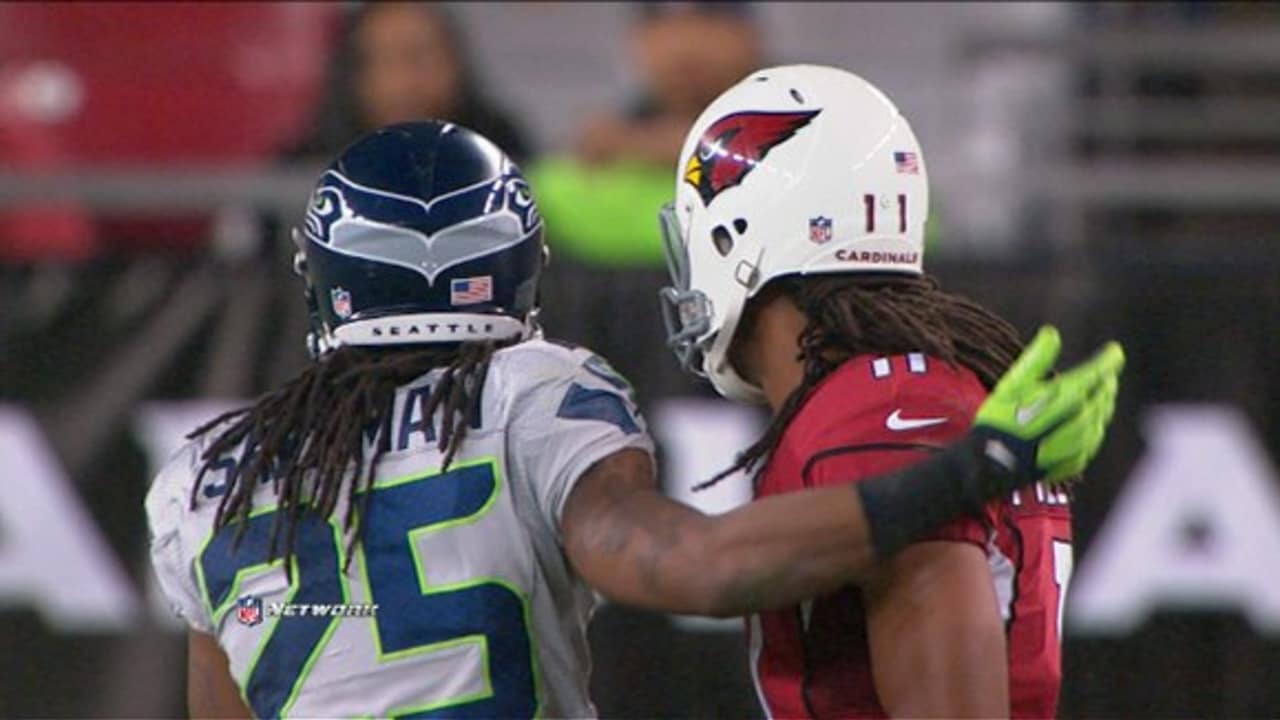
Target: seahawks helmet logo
(427,237)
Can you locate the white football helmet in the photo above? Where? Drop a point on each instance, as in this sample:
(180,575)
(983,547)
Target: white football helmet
(796,170)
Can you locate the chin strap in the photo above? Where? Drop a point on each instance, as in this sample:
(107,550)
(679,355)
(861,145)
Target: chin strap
(318,342)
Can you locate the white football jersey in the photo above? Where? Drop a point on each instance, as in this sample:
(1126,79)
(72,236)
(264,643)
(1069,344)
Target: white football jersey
(458,602)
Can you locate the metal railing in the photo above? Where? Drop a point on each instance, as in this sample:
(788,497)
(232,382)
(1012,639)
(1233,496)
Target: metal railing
(1189,178)
(164,188)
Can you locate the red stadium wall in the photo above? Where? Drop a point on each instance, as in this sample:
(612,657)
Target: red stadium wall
(189,82)
(93,84)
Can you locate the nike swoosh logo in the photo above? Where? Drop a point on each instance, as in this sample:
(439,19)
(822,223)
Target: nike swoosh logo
(1024,415)
(896,422)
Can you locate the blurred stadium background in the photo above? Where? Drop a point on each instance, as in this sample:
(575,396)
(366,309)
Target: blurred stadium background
(1113,168)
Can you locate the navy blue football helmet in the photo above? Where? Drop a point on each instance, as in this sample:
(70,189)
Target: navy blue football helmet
(422,232)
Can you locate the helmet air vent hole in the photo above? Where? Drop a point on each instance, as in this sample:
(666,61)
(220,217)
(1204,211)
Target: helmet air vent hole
(740,225)
(795,95)
(762,78)
(720,236)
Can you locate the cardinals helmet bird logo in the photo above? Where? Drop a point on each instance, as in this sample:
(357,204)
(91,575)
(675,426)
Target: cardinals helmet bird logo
(733,145)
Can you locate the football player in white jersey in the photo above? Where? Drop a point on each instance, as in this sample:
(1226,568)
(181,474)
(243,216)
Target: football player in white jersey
(417,524)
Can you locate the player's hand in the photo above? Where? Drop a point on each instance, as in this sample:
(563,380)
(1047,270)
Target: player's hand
(1049,429)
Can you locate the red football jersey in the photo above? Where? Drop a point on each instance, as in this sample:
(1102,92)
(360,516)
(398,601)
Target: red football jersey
(871,416)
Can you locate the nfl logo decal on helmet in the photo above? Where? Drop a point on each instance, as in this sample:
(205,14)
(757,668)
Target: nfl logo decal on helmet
(249,610)
(341,301)
(800,169)
(819,229)
(420,233)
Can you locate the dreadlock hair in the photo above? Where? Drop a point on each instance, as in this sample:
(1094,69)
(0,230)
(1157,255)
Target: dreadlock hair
(308,436)
(879,314)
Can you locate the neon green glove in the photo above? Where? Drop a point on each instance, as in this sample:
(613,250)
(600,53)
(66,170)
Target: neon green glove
(1049,429)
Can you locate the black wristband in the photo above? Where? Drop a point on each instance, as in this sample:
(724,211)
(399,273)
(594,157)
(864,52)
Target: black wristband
(901,507)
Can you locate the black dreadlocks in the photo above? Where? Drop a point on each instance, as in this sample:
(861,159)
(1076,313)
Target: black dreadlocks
(883,315)
(308,436)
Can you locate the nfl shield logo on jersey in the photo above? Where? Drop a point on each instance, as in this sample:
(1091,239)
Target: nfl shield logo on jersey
(249,610)
(820,229)
(341,300)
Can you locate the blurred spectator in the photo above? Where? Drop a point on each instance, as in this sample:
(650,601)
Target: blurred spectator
(398,62)
(394,62)
(602,202)
(687,53)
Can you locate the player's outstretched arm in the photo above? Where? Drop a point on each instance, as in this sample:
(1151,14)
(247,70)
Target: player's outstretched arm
(638,547)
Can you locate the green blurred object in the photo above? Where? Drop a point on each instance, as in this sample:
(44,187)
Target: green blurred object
(602,215)
(932,231)
(608,215)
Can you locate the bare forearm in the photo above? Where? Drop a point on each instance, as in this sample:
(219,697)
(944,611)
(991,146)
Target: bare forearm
(641,548)
(628,540)
(783,549)
(786,548)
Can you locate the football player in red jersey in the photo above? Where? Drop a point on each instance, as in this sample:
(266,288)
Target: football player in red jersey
(795,244)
